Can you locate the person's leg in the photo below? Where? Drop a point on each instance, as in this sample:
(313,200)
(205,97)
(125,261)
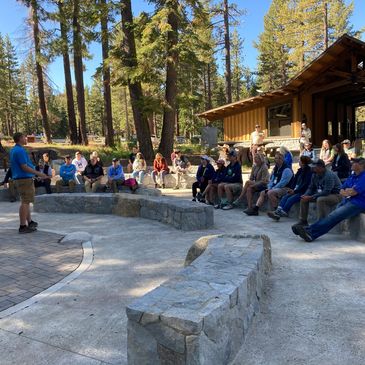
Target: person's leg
(178,179)
(323,226)
(114,186)
(229,193)
(221,190)
(154,175)
(95,186)
(261,200)
(326,203)
(195,188)
(71,185)
(303,212)
(59,184)
(203,187)
(12,191)
(289,202)
(24,214)
(163,178)
(47,185)
(243,192)
(135,174)
(249,196)
(273,198)
(87,186)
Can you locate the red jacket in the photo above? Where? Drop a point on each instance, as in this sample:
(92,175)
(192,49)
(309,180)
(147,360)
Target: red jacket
(160,165)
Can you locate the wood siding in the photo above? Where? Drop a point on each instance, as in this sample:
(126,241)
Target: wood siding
(239,127)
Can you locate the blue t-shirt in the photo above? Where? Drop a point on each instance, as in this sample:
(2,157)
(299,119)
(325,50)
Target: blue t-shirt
(67,172)
(18,157)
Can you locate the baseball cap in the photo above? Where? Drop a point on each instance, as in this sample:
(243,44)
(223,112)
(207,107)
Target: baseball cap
(114,159)
(205,157)
(67,157)
(346,141)
(319,163)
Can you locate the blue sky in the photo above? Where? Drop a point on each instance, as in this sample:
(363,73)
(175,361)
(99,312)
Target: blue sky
(13,15)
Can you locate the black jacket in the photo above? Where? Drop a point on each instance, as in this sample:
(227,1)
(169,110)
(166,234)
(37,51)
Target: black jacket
(341,165)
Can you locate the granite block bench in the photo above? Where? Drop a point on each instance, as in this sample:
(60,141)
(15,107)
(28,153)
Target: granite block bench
(202,314)
(181,214)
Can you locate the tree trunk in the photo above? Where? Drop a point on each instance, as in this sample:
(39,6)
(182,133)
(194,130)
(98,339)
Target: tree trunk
(169,116)
(72,125)
(135,89)
(227,47)
(209,82)
(79,78)
(39,71)
(108,116)
(325,25)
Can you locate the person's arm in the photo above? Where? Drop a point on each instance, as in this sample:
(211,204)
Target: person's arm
(328,185)
(236,176)
(28,169)
(118,176)
(285,179)
(311,187)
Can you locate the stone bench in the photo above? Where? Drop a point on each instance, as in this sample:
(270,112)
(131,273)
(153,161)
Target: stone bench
(202,314)
(181,214)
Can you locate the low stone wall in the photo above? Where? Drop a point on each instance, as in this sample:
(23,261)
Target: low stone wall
(181,214)
(201,315)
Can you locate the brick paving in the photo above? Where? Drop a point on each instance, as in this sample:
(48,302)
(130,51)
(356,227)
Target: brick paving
(30,263)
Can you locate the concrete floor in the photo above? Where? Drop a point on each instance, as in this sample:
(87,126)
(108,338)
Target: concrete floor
(313,313)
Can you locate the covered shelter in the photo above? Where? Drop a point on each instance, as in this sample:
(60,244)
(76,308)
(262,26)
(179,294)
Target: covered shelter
(324,94)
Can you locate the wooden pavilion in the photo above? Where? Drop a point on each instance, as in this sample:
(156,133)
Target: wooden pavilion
(324,94)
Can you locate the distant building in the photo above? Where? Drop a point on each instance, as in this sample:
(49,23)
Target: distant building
(324,94)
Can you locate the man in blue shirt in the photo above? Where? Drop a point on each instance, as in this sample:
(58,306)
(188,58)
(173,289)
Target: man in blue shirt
(22,173)
(353,203)
(115,175)
(67,173)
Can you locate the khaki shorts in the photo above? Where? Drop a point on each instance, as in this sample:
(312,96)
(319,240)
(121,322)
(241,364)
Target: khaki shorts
(26,190)
(236,188)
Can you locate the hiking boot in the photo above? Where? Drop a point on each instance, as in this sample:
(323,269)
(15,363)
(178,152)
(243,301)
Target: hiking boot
(228,207)
(26,229)
(193,200)
(32,224)
(302,232)
(274,215)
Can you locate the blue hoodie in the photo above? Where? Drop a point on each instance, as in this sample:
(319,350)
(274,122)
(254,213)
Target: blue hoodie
(67,172)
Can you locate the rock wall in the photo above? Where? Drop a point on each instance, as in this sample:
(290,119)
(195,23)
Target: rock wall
(202,315)
(181,214)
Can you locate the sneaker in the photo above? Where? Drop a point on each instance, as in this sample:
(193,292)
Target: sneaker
(193,200)
(302,232)
(282,213)
(32,224)
(26,229)
(228,207)
(217,206)
(274,215)
(251,211)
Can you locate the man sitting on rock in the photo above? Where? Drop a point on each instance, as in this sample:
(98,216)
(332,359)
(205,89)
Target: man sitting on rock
(278,186)
(67,173)
(323,190)
(93,174)
(352,204)
(46,183)
(232,183)
(204,174)
(115,175)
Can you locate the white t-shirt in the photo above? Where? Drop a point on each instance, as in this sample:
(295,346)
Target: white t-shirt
(257,137)
(80,164)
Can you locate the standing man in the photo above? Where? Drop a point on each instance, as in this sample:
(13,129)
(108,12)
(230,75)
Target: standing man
(305,136)
(23,172)
(257,140)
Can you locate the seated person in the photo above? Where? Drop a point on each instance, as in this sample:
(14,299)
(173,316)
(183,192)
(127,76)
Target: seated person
(211,191)
(341,165)
(181,167)
(352,204)
(132,157)
(9,183)
(308,151)
(323,190)
(204,174)
(346,144)
(278,186)
(288,157)
(115,175)
(80,163)
(160,169)
(139,168)
(92,174)
(4,156)
(67,173)
(46,183)
(47,162)
(231,184)
(257,182)
(96,155)
(298,187)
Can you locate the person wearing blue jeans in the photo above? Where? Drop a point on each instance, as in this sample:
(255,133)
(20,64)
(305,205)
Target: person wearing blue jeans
(353,203)
(298,187)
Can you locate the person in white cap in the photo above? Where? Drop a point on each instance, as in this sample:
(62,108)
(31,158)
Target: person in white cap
(204,174)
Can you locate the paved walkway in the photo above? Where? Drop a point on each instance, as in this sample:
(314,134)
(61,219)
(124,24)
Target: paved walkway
(313,313)
(30,263)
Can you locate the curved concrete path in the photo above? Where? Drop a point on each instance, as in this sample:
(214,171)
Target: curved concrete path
(312,315)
